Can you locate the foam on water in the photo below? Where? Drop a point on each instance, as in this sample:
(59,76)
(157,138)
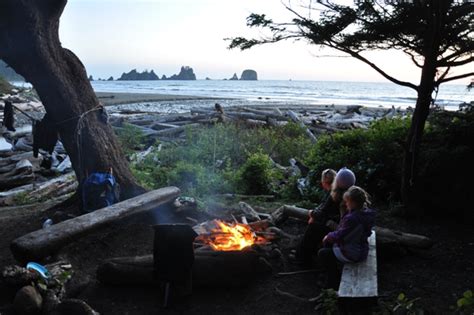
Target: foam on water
(292,92)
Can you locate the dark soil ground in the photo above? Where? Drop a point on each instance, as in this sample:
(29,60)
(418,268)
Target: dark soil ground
(438,276)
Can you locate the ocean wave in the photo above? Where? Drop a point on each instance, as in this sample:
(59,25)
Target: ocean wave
(307,92)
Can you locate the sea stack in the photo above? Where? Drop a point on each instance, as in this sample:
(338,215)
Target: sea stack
(249,75)
(186,73)
(136,76)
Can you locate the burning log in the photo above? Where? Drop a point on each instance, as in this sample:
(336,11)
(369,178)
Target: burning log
(210,269)
(222,236)
(260,225)
(42,243)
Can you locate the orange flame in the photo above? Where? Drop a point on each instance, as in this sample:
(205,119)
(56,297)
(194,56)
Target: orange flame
(230,237)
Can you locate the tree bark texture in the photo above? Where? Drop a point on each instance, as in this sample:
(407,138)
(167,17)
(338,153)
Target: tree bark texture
(30,44)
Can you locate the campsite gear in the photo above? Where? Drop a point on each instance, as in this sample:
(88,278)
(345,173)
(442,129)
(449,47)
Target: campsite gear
(47,223)
(40,269)
(99,190)
(8,117)
(173,257)
(345,178)
(45,135)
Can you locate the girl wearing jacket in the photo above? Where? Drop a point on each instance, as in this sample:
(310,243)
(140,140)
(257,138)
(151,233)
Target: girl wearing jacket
(348,243)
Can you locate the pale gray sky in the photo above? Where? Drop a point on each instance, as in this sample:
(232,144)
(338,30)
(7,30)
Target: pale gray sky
(113,36)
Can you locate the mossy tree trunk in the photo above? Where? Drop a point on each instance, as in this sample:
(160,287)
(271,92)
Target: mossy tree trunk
(29,43)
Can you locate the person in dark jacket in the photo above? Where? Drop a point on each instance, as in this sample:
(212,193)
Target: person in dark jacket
(348,243)
(324,219)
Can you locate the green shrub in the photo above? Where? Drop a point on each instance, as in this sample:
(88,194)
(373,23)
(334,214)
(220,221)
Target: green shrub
(256,174)
(211,159)
(375,154)
(402,305)
(131,138)
(445,169)
(465,304)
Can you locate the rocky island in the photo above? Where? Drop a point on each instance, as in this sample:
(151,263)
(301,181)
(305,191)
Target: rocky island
(186,73)
(134,75)
(249,75)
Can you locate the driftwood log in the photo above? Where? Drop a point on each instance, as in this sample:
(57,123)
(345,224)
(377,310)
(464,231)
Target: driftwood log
(21,174)
(42,243)
(284,212)
(387,239)
(210,269)
(297,120)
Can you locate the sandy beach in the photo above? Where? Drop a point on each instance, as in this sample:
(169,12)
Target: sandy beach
(112,98)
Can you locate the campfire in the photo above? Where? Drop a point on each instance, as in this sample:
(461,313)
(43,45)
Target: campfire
(223,236)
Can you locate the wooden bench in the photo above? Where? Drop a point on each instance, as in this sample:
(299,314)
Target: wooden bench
(359,280)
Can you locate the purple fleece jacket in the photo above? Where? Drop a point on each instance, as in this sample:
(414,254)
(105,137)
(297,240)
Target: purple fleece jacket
(351,235)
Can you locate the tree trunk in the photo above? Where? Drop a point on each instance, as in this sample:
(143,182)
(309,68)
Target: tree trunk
(29,43)
(435,17)
(415,134)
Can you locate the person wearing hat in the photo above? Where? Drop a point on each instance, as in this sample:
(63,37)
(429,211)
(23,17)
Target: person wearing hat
(325,218)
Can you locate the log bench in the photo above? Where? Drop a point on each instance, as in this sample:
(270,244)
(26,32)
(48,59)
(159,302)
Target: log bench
(359,280)
(40,244)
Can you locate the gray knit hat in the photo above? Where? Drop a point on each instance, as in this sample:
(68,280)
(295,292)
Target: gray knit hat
(345,178)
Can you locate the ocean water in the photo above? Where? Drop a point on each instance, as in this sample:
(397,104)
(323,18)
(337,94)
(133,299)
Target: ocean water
(292,92)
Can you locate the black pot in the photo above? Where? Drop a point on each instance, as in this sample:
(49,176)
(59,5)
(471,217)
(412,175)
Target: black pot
(173,253)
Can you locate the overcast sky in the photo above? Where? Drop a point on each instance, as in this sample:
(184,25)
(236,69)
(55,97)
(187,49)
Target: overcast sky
(113,36)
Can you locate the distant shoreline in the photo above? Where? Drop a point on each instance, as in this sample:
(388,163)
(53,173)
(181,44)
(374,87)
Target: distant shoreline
(116,98)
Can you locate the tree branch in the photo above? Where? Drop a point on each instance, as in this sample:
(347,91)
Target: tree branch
(455,55)
(442,76)
(376,68)
(456,63)
(413,58)
(456,77)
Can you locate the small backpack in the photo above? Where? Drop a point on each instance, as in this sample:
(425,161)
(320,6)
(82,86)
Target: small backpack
(99,190)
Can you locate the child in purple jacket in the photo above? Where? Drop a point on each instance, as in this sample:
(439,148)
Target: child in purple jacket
(348,243)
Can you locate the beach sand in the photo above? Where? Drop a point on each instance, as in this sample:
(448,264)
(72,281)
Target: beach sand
(113,98)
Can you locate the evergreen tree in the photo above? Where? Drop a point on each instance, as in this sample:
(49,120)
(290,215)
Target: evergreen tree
(438,36)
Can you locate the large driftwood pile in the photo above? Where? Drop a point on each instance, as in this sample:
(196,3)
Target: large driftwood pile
(24,178)
(315,119)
